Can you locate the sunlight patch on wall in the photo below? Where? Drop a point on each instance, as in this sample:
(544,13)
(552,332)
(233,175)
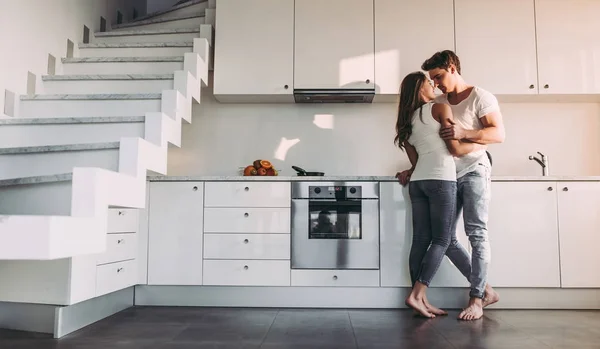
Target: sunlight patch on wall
(284,146)
(324,121)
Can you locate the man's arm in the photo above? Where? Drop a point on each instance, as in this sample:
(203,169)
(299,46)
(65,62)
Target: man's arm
(492,132)
(443,114)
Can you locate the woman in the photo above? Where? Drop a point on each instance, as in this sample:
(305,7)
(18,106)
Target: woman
(432,184)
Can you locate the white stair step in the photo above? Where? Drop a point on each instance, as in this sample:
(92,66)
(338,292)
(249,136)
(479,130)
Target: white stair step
(150,35)
(108,84)
(47,160)
(189,8)
(143,49)
(29,132)
(162,23)
(57,106)
(122,65)
(37,195)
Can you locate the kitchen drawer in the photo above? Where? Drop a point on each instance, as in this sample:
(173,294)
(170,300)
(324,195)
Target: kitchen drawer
(343,278)
(246,273)
(247,194)
(247,246)
(119,247)
(115,276)
(247,220)
(123,220)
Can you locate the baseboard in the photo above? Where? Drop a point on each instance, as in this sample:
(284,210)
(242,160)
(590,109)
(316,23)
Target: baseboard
(338,297)
(71,318)
(27,317)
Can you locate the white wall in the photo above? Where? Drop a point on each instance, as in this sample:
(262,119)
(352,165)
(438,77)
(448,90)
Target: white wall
(224,137)
(32,29)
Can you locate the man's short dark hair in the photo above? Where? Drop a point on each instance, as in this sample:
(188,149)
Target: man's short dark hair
(442,60)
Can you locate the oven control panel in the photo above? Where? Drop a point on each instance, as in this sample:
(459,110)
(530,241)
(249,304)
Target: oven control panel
(334,192)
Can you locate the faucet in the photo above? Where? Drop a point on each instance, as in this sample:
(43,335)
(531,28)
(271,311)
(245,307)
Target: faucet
(543,162)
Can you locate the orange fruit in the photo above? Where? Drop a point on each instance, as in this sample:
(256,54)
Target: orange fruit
(250,171)
(262,171)
(266,164)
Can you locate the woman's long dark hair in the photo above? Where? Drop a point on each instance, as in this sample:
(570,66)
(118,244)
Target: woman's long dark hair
(409,103)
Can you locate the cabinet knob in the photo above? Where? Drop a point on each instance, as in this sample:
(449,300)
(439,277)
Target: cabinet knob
(195,188)
(120,240)
(246,189)
(121,213)
(531,87)
(246,241)
(546,86)
(368,81)
(550,189)
(335,277)
(565,189)
(245,267)
(286,87)
(246,214)
(119,270)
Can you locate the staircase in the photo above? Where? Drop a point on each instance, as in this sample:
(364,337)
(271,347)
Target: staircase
(88,142)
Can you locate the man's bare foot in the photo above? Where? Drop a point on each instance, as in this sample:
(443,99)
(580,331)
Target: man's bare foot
(418,306)
(432,309)
(491,296)
(473,312)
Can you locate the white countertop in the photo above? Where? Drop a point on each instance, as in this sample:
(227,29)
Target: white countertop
(360,178)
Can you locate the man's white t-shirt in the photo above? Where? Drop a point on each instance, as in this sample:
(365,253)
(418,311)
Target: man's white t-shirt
(468,114)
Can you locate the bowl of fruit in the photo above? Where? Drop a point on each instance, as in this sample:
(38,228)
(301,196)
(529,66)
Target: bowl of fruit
(259,168)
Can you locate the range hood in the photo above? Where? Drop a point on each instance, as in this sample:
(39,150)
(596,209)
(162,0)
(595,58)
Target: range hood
(334,95)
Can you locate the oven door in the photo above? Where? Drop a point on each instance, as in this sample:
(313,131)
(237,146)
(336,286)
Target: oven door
(330,234)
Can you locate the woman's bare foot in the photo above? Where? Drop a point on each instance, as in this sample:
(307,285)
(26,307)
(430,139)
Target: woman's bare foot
(418,306)
(432,309)
(474,311)
(491,296)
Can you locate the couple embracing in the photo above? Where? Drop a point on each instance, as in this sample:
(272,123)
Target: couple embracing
(445,138)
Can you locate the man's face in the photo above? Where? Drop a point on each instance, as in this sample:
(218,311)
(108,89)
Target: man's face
(443,79)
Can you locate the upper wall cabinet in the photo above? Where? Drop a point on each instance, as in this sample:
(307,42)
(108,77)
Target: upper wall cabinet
(495,41)
(568,46)
(408,32)
(254,50)
(333,44)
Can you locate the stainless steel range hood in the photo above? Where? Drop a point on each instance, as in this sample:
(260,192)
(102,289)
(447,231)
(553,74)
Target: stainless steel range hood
(334,95)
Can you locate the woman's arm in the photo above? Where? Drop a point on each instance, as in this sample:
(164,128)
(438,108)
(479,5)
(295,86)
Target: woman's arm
(413,157)
(443,114)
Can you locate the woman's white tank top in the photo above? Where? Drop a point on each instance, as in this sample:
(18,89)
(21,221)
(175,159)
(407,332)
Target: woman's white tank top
(435,161)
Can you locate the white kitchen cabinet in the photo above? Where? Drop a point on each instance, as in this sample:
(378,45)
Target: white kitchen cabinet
(396,239)
(247,272)
(523,232)
(115,276)
(175,233)
(568,46)
(248,194)
(254,50)
(578,206)
(334,44)
(247,246)
(335,278)
(495,41)
(247,220)
(406,34)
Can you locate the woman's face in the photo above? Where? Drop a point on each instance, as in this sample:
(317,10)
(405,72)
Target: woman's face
(427,92)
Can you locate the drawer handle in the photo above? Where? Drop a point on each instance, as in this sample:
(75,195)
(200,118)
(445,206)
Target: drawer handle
(246,241)
(565,189)
(195,188)
(121,213)
(335,277)
(119,270)
(246,189)
(120,240)
(245,267)
(246,214)
(550,189)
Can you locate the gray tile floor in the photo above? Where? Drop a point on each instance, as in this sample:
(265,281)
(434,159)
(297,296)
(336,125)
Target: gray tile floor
(223,328)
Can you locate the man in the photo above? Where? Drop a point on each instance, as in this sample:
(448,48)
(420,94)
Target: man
(477,119)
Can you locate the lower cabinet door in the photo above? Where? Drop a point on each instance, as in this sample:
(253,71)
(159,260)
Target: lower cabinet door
(246,272)
(343,278)
(115,276)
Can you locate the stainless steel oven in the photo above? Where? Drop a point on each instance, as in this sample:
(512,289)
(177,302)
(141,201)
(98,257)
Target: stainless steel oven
(335,225)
